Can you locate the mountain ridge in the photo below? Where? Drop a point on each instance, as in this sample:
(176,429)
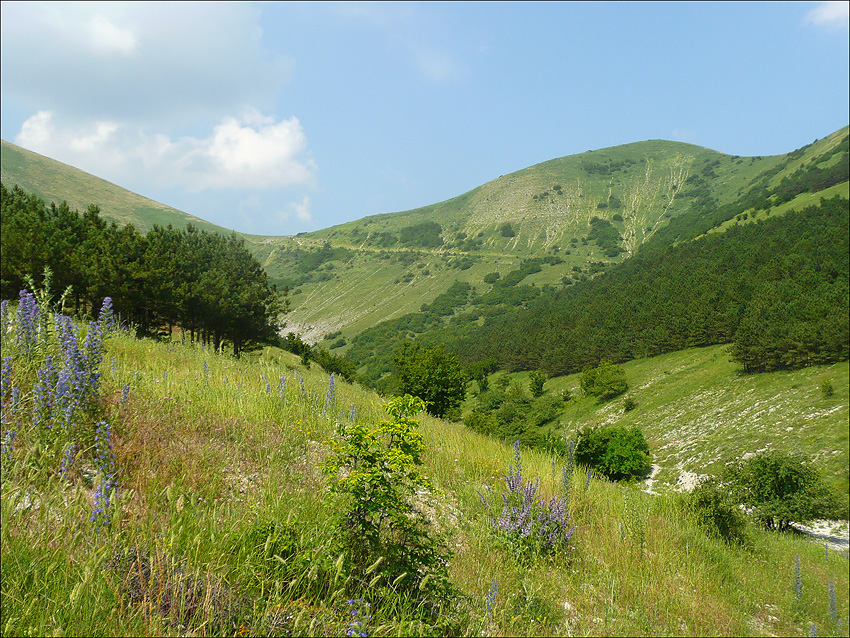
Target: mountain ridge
(585,211)
(57,182)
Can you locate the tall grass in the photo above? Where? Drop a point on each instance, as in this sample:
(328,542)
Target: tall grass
(222,524)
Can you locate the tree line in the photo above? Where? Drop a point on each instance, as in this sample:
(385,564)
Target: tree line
(206,283)
(776,290)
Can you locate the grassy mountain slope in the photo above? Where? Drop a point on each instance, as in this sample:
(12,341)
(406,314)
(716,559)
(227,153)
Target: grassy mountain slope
(699,413)
(636,188)
(56,182)
(216,471)
(352,276)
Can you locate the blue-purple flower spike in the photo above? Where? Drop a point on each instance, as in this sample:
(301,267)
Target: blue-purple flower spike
(26,330)
(106,319)
(526,518)
(330,396)
(107,486)
(491,597)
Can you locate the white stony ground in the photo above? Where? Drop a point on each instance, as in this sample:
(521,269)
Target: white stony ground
(834,534)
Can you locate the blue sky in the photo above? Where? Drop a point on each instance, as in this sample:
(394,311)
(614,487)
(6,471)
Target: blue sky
(277,118)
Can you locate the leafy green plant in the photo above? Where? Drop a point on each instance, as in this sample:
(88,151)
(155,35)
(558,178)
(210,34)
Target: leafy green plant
(616,452)
(782,488)
(374,474)
(535,383)
(605,381)
(432,374)
(717,513)
(507,230)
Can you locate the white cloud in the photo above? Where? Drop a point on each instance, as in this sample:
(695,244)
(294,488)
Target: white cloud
(37,131)
(168,64)
(106,38)
(830,14)
(251,152)
(302,209)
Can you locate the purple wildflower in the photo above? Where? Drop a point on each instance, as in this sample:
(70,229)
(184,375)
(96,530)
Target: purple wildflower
(27,319)
(524,517)
(833,609)
(8,443)
(7,447)
(491,597)
(68,460)
(107,486)
(4,319)
(5,378)
(330,395)
(106,319)
(358,609)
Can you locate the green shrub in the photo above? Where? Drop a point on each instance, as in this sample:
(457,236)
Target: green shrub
(616,452)
(432,374)
(716,512)
(374,475)
(605,381)
(629,404)
(507,230)
(782,488)
(535,383)
(480,421)
(827,390)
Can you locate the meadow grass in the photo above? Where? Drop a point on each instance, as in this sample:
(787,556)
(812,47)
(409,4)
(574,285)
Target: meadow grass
(222,524)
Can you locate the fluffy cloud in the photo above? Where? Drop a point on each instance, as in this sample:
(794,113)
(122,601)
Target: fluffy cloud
(251,152)
(302,210)
(830,14)
(163,64)
(106,38)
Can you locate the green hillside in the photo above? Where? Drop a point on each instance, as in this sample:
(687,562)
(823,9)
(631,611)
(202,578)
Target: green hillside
(391,264)
(169,488)
(222,522)
(582,213)
(699,413)
(57,182)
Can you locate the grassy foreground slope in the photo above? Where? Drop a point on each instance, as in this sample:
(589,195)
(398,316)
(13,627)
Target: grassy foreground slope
(214,454)
(57,182)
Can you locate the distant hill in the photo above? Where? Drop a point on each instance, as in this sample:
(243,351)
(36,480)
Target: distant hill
(583,213)
(57,182)
(580,214)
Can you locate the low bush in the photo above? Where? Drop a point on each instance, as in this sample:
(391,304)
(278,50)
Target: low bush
(717,513)
(616,452)
(605,381)
(374,475)
(781,488)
